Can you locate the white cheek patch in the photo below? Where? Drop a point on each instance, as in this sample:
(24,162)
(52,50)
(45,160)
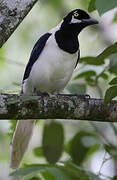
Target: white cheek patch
(74,20)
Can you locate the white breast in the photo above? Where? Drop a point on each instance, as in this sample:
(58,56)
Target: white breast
(53,69)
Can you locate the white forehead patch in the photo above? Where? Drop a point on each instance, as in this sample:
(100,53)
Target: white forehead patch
(75,11)
(74,20)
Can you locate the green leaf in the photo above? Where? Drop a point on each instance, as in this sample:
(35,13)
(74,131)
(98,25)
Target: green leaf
(35,178)
(59,174)
(66,171)
(92,6)
(113,63)
(75,168)
(91,61)
(90,151)
(103,76)
(53,139)
(78,148)
(54,172)
(90,81)
(47,175)
(80,172)
(38,151)
(110,94)
(94,148)
(111,150)
(108,51)
(115,18)
(113,81)
(99,60)
(26,171)
(104,6)
(12,127)
(114,178)
(31,177)
(75,88)
(86,74)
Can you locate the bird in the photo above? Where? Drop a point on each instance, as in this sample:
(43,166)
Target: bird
(50,67)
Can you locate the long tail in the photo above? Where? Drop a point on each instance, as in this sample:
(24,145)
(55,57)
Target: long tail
(20,141)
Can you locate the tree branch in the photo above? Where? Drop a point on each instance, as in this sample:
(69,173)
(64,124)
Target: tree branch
(12,12)
(56,107)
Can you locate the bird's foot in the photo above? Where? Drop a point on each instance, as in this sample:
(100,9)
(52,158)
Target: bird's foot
(86,96)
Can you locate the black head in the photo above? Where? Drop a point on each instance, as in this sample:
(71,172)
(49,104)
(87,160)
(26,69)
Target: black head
(76,20)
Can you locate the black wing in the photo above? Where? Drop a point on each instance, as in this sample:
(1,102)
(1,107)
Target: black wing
(78,58)
(35,53)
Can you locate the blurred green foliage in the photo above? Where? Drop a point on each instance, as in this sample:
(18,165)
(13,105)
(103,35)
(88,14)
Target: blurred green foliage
(67,171)
(103,6)
(53,140)
(115,18)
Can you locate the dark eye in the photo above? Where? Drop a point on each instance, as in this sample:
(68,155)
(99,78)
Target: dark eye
(76,14)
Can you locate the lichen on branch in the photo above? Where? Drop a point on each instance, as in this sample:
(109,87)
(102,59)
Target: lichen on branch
(73,107)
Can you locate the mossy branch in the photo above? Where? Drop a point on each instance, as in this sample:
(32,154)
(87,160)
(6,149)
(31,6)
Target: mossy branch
(12,12)
(57,107)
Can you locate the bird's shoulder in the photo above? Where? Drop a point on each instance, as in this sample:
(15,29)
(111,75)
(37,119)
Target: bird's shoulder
(38,48)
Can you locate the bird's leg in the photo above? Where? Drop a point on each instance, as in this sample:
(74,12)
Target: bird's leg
(39,93)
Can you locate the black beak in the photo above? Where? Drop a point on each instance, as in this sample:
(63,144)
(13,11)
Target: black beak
(89,21)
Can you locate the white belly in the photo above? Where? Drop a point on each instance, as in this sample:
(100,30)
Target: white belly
(53,69)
